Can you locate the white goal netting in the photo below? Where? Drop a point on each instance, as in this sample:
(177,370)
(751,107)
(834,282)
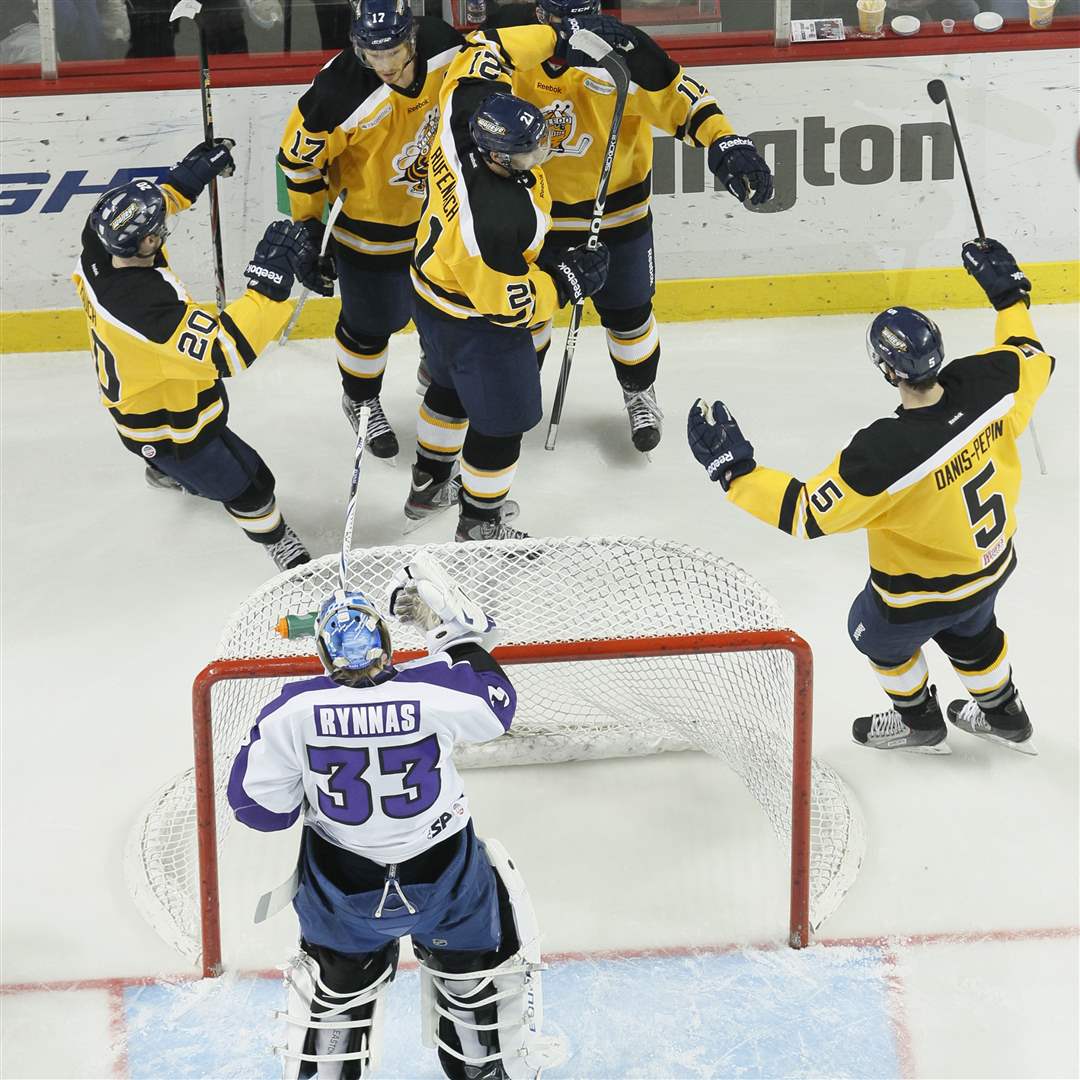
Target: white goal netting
(736,705)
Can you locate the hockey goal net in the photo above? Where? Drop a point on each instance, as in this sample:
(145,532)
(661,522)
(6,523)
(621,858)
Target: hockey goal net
(617,647)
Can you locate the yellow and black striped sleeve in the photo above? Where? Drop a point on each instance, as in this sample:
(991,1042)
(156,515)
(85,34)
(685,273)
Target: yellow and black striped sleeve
(1015,329)
(830,502)
(313,137)
(662,93)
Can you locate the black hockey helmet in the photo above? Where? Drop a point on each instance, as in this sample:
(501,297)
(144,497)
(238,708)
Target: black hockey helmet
(122,217)
(907,342)
(511,132)
(381,25)
(546,10)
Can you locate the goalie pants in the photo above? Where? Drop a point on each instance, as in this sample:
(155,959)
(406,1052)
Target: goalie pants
(376,302)
(451,887)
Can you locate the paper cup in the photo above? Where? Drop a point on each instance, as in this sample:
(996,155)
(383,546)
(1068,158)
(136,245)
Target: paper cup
(948,26)
(872,17)
(1040,13)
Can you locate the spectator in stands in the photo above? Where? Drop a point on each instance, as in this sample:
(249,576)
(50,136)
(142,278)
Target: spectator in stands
(20,36)
(152,34)
(90,29)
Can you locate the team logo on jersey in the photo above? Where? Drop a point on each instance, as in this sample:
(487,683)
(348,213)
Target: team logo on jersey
(562,125)
(498,696)
(411,163)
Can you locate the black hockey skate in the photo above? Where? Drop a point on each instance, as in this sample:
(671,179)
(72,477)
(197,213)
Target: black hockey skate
(920,730)
(646,417)
(381,440)
(289,551)
(477,528)
(1007,724)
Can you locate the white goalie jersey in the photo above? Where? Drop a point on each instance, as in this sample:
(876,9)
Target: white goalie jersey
(371,766)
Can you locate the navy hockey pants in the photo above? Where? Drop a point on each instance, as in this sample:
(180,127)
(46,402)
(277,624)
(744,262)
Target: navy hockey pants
(457,911)
(222,470)
(892,643)
(375,303)
(492,369)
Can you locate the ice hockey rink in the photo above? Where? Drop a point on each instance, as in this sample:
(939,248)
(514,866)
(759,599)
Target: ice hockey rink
(659,887)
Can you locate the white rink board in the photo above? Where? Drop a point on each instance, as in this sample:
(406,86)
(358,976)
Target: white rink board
(1018,114)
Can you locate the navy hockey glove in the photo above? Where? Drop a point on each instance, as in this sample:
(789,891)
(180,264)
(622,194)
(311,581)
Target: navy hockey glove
(580,272)
(608,29)
(991,264)
(735,162)
(200,166)
(284,253)
(325,272)
(718,443)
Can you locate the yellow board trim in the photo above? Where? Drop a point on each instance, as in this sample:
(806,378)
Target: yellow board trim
(687,300)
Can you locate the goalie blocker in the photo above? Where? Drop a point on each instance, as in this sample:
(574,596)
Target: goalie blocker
(388,847)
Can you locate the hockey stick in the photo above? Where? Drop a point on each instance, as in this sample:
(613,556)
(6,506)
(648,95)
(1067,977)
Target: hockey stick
(339,202)
(592,45)
(937,92)
(191,9)
(346,539)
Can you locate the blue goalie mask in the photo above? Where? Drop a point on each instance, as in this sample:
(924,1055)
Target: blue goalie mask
(351,638)
(124,216)
(908,343)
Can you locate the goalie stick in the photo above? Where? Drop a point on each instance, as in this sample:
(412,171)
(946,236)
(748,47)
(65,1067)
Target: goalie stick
(594,46)
(346,537)
(339,202)
(938,93)
(192,9)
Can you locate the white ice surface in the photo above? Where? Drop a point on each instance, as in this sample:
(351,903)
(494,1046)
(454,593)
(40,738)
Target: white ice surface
(114,595)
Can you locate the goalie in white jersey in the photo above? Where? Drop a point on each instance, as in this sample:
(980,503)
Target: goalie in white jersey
(388,847)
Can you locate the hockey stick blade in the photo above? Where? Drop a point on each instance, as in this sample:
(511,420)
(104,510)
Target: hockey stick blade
(186,9)
(590,44)
(301,300)
(935,88)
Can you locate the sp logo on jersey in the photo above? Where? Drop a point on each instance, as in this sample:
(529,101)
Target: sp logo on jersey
(562,126)
(412,162)
(498,697)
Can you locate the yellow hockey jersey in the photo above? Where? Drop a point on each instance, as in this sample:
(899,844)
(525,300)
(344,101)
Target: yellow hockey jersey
(350,130)
(579,104)
(935,488)
(480,233)
(160,356)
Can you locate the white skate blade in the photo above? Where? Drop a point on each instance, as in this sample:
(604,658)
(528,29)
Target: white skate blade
(938,748)
(1024,747)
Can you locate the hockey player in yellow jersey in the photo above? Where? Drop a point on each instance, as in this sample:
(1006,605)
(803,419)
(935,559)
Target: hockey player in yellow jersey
(480,285)
(578,102)
(935,487)
(365,126)
(160,356)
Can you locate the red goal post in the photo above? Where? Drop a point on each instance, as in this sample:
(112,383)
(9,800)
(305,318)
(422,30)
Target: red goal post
(616,646)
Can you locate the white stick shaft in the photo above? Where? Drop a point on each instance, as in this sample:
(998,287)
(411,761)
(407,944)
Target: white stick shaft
(350,510)
(1038,449)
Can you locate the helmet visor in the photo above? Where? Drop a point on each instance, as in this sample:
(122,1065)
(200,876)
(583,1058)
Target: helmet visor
(389,64)
(530,159)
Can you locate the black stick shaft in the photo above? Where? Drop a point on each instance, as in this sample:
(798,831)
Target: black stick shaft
(208,133)
(964,169)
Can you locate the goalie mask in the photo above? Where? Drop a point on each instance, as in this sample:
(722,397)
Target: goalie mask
(126,215)
(908,343)
(351,638)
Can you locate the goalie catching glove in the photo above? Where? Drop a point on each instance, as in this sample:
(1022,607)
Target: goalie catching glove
(718,443)
(423,595)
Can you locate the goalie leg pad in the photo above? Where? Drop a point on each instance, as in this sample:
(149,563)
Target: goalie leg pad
(335,1013)
(487,1014)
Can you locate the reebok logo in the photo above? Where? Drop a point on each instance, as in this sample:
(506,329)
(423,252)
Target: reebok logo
(264,272)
